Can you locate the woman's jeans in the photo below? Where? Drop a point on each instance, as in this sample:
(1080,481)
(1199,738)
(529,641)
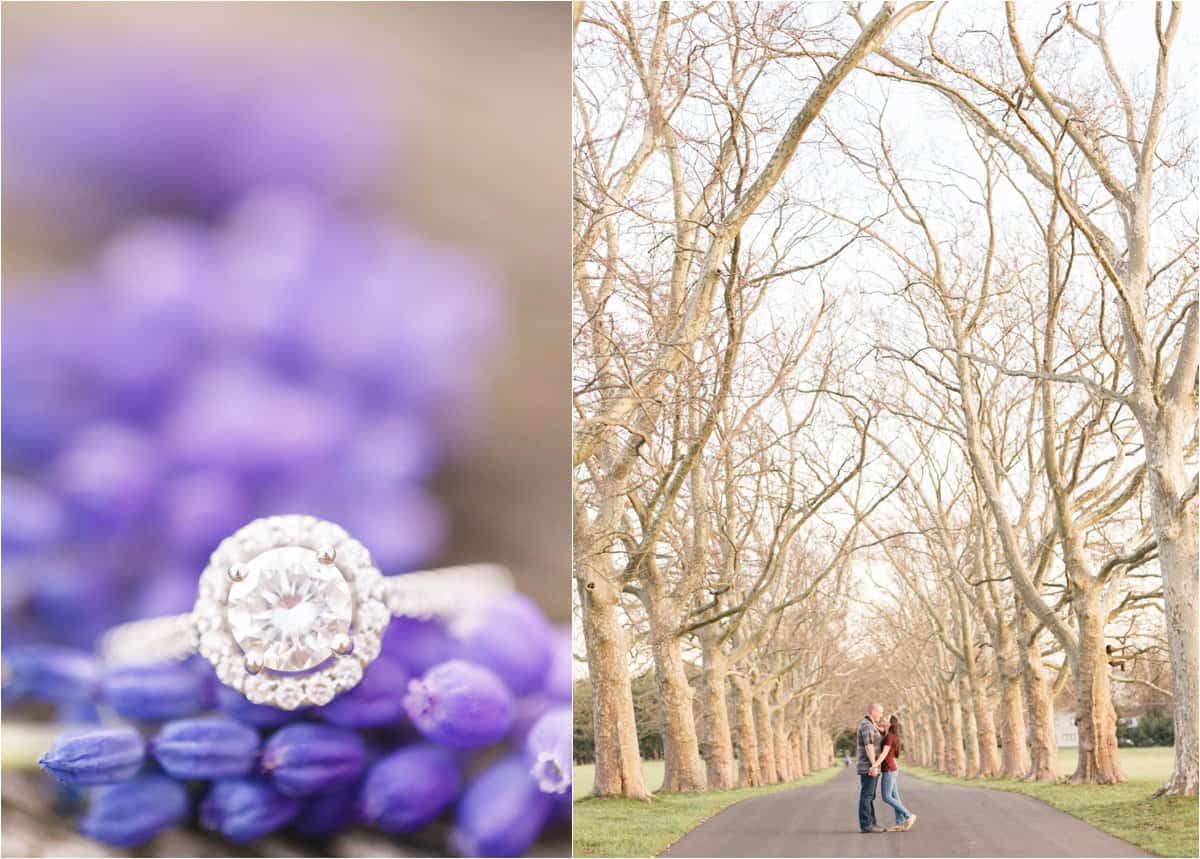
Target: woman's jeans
(889,792)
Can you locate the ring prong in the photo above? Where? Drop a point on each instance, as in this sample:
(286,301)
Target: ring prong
(326,554)
(254,662)
(238,572)
(342,644)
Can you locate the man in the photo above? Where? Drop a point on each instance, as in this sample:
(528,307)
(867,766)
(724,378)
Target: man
(870,740)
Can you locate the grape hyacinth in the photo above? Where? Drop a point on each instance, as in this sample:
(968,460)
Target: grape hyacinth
(112,133)
(291,358)
(319,771)
(96,757)
(243,342)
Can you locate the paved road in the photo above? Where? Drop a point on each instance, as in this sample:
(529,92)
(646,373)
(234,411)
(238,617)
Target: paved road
(951,821)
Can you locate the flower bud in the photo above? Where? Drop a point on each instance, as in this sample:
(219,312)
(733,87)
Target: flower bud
(132,812)
(327,814)
(514,640)
(243,809)
(47,672)
(419,644)
(155,692)
(233,703)
(101,756)
(502,811)
(208,748)
(460,705)
(558,682)
(549,751)
(410,787)
(376,701)
(307,758)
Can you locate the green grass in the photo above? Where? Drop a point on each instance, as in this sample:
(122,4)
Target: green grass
(585,777)
(1139,764)
(629,827)
(1165,826)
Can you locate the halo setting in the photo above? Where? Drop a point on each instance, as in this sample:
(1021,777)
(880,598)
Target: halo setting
(290,611)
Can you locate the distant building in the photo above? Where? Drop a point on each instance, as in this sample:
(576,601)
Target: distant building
(1066,731)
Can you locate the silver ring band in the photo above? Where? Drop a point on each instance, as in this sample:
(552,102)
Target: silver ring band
(456,596)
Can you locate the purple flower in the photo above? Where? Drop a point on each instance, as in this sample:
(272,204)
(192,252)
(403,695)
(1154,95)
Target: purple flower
(108,473)
(549,748)
(158,691)
(526,713)
(327,814)
(33,517)
(47,672)
(501,812)
(459,705)
(152,124)
(246,808)
(132,812)
(307,758)
(410,787)
(559,679)
(209,748)
(515,640)
(290,356)
(102,756)
(419,644)
(377,700)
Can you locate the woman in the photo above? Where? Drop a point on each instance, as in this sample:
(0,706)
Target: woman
(889,790)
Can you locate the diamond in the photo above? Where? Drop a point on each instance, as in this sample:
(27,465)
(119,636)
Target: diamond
(289,608)
(320,690)
(259,690)
(375,615)
(231,673)
(368,579)
(366,646)
(289,695)
(347,673)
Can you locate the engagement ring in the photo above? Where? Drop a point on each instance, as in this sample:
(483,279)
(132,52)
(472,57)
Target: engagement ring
(291,609)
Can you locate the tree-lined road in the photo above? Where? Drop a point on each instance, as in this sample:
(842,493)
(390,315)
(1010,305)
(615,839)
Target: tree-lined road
(952,821)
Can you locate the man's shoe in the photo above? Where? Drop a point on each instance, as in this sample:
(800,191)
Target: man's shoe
(908,824)
(876,829)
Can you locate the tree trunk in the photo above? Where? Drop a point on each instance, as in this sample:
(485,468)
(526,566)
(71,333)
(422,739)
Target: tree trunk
(985,719)
(745,734)
(937,738)
(783,758)
(955,759)
(618,759)
(722,772)
(819,754)
(1039,704)
(970,727)
(1015,752)
(683,769)
(1175,527)
(804,740)
(766,739)
(1097,720)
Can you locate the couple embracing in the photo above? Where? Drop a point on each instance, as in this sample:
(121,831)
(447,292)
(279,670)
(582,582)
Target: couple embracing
(878,747)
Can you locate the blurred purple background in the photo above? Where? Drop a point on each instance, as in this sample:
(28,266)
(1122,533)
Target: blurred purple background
(279,258)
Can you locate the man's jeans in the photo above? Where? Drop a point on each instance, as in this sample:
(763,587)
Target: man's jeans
(890,793)
(866,801)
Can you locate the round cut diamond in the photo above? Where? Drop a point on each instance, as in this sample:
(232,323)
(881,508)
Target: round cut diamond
(289,608)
